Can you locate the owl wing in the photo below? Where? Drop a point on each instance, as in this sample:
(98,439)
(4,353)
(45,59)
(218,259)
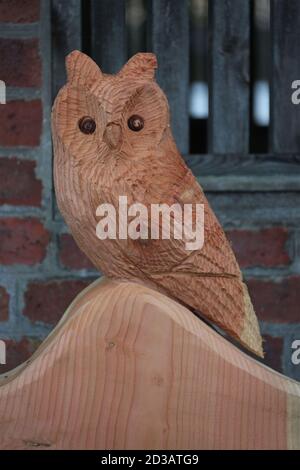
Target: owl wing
(209,279)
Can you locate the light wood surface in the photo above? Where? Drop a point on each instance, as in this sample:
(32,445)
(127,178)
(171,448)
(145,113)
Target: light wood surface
(129,368)
(146,167)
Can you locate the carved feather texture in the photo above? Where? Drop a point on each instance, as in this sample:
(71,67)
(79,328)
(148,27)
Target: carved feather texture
(146,167)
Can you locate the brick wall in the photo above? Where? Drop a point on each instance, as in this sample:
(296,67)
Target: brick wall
(267,257)
(41,268)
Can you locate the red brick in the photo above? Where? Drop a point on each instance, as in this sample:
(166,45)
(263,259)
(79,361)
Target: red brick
(22,241)
(4,304)
(18,352)
(21,123)
(20,62)
(265,248)
(47,301)
(276,301)
(70,255)
(273,347)
(19,185)
(19,11)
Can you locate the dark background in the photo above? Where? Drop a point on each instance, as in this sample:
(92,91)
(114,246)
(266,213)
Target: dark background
(227,68)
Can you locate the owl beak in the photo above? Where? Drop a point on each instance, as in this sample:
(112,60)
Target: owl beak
(112,135)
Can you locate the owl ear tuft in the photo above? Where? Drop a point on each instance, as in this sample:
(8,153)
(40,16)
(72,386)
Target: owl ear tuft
(81,69)
(142,64)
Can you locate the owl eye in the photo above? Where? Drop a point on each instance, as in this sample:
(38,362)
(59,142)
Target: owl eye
(87,125)
(135,123)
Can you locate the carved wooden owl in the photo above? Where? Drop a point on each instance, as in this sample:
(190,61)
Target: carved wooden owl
(112,137)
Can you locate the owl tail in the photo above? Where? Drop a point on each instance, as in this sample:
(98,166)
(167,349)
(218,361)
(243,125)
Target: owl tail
(250,335)
(223,300)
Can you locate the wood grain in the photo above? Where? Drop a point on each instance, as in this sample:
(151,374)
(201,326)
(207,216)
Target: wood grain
(108,34)
(129,368)
(284,127)
(66,21)
(168,32)
(229,76)
(240,173)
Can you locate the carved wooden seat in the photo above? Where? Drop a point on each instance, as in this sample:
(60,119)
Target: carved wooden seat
(129,368)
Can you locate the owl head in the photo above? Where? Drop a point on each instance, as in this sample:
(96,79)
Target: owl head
(111,137)
(98,117)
